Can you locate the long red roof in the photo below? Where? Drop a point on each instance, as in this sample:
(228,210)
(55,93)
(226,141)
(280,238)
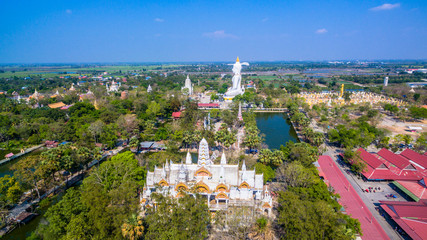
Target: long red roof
(350,200)
(176,114)
(370,159)
(395,159)
(415,157)
(410,216)
(208,105)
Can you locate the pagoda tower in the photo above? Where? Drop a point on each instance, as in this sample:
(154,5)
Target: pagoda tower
(239,115)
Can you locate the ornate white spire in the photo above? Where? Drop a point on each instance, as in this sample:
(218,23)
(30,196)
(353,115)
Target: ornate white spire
(244,166)
(188,159)
(204,153)
(182,175)
(223,159)
(239,116)
(163,172)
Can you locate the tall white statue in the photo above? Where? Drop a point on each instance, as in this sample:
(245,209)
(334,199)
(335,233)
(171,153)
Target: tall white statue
(188,85)
(236,88)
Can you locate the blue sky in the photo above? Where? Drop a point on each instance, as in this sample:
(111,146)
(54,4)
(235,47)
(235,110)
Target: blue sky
(182,31)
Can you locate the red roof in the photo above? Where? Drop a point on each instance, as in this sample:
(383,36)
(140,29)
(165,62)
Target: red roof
(208,105)
(410,216)
(350,200)
(381,169)
(415,187)
(415,157)
(395,159)
(176,114)
(370,159)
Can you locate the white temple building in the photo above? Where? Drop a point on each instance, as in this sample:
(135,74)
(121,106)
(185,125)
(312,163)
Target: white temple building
(222,184)
(188,86)
(149,89)
(114,86)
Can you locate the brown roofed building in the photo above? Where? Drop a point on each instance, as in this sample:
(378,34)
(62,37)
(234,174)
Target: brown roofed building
(57,105)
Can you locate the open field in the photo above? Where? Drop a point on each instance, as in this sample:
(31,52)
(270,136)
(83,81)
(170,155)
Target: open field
(399,127)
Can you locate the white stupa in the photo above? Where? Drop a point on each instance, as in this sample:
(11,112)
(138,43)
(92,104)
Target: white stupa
(149,89)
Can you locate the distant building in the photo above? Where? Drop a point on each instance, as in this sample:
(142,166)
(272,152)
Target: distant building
(56,105)
(188,86)
(416,84)
(89,95)
(124,95)
(385,81)
(114,87)
(149,89)
(208,105)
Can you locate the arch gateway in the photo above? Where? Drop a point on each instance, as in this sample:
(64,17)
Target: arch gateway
(224,185)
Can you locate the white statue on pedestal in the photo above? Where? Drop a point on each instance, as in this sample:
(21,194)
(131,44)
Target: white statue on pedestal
(236,88)
(188,86)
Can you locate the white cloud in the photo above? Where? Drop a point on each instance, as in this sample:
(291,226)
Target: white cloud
(321,31)
(264,19)
(68,11)
(159,20)
(385,6)
(220,34)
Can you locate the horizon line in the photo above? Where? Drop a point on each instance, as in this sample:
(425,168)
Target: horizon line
(207,61)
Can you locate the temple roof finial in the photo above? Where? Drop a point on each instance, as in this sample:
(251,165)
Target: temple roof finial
(188,159)
(223,159)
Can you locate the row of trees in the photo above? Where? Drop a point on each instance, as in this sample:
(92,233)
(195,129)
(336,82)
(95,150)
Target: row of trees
(303,122)
(38,173)
(98,209)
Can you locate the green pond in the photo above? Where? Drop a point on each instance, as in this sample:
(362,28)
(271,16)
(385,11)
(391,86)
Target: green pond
(277,129)
(7,167)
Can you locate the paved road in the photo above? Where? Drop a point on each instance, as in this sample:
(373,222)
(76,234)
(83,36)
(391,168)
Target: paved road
(332,152)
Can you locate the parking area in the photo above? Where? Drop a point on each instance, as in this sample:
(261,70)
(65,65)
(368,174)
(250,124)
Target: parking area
(376,190)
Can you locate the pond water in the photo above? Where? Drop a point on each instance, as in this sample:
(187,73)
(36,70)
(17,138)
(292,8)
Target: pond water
(277,129)
(7,167)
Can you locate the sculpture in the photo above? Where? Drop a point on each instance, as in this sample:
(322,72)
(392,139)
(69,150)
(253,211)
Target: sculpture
(236,88)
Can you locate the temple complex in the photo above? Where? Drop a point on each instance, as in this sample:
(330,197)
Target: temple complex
(355,98)
(224,185)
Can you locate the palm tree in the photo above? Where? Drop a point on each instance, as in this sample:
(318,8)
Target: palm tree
(308,133)
(318,138)
(133,228)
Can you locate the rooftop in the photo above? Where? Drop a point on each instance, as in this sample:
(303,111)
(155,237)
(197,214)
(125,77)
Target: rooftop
(410,216)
